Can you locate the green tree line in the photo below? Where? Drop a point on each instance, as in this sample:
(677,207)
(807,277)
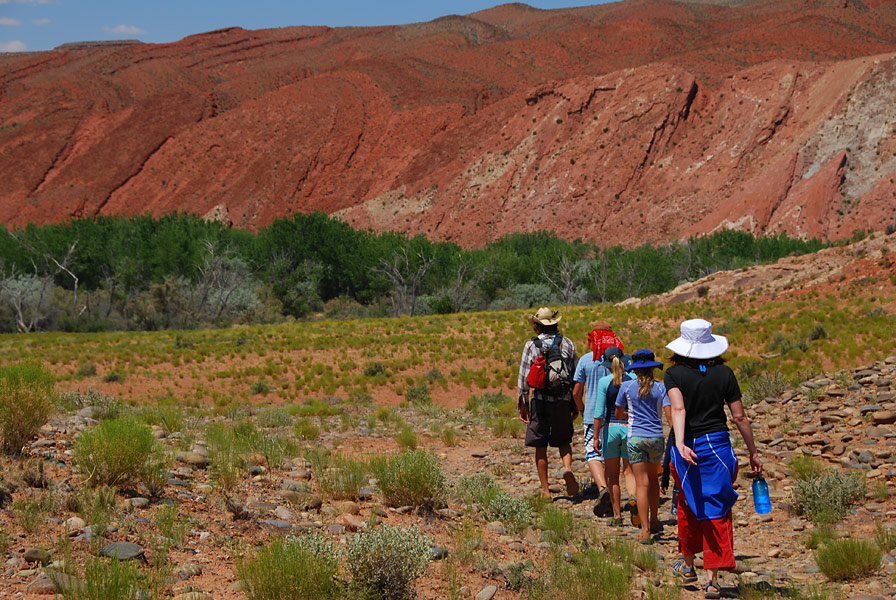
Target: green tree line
(179,271)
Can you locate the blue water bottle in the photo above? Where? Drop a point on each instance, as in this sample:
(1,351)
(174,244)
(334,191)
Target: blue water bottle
(761,500)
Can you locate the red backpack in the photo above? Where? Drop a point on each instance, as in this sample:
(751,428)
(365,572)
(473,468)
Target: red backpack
(549,371)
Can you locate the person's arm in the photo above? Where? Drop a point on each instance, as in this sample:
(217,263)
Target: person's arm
(578,390)
(598,424)
(746,432)
(676,400)
(523,387)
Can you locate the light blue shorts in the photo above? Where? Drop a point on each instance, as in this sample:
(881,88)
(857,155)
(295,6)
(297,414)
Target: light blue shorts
(614,440)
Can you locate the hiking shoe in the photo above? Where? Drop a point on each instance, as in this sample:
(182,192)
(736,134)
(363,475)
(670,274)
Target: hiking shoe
(688,574)
(633,509)
(572,485)
(604,505)
(617,522)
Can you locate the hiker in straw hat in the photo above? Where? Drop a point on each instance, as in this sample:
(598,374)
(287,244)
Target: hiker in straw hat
(704,466)
(550,412)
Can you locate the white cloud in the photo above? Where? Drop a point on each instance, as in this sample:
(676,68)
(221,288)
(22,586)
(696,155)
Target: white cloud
(9,22)
(41,21)
(124,29)
(13,46)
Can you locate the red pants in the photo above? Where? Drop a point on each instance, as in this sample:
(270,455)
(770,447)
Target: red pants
(713,537)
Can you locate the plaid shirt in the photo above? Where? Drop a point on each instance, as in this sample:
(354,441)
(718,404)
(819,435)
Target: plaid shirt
(567,349)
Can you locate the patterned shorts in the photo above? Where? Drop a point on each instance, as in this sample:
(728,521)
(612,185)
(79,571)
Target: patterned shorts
(646,449)
(590,454)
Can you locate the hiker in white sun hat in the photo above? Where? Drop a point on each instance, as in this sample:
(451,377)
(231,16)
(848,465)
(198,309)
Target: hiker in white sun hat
(697,341)
(703,463)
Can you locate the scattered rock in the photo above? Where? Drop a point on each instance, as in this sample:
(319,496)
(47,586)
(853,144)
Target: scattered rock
(123,551)
(487,593)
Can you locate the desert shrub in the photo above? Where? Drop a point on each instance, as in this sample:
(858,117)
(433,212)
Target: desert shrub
(506,427)
(338,477)
(805,467)
(302,568)
(108,580)
(305,429)
(884,537)
(274,417)
(104,406)
(820,535)
(228,444)
(627,552)
(260,388)
(492,403)
(590,575)
(86,370)
(374,369)
(467,539)
(496,503)
(411,477)
(449,436)
(764,385)
(113,377)
(114,452)
(828,497)
(276,449)
(418,395)
(94,505)
(406,438)
(557,524)
(29,514)
(385,563)
(847,558)
(26,399)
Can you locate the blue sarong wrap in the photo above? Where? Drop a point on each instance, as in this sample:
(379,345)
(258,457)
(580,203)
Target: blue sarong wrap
(708,487)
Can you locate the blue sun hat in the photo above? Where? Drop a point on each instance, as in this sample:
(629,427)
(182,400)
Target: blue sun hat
(643,359)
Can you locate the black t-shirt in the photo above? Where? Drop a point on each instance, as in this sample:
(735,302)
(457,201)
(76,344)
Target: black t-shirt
(705,397)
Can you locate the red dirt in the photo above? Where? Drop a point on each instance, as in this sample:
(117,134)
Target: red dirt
(769,116)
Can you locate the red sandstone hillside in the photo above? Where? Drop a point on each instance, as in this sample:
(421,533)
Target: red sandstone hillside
(676,118)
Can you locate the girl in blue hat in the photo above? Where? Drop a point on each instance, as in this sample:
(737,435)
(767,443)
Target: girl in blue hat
(644,400)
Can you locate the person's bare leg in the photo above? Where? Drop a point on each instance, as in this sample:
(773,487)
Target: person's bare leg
(630,483)
(641,497)
(541,465)
(653,495)
(612,472)
(572,485)
(598,473)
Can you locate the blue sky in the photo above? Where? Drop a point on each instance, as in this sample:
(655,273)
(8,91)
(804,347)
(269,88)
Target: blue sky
(27,25)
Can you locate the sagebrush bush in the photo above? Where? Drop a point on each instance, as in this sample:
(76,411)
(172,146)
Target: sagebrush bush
(418,395)
(274,417)
(412,477)
(114,452)
(292,568)
(764,385)
(847,558)
(406,438)
(591,575)
(103,405)
(338,477)
(827,498)
(26,398)
(496,503)
(384,563)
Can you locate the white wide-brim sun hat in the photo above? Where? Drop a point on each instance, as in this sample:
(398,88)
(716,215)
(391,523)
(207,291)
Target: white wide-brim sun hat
(697,341)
